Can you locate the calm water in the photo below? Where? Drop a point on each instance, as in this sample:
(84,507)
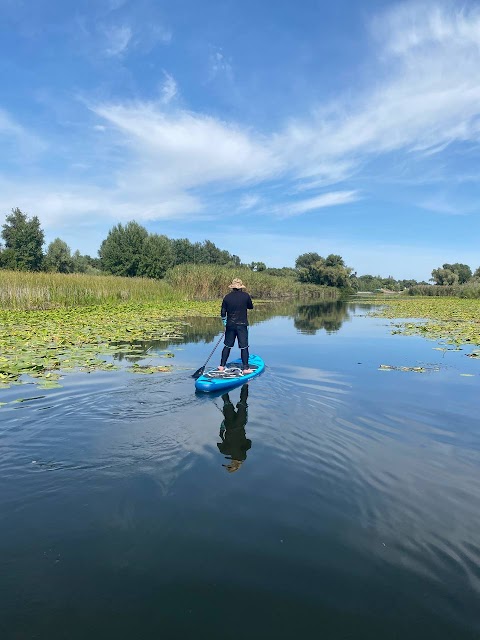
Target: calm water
(351,508)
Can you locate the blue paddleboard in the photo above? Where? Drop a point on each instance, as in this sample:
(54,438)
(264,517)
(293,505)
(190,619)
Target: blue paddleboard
(214,380)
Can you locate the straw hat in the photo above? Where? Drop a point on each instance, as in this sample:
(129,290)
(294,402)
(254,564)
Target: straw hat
(236,284)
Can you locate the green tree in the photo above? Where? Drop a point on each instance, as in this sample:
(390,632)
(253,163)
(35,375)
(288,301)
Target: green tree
(58,257)
(334,260)
(477,273)
(121,252)
(442,276)
(330,272)
(80,263)
(368,282)
(456,273)
(157,256)
(209,253)
(306,259)
(85,264)
(462,270)
(320,273)
(183,251)
(257,266)
(23,242)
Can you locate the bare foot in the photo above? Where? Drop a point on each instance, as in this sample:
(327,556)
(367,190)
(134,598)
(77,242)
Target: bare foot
(247,371)
(220,368)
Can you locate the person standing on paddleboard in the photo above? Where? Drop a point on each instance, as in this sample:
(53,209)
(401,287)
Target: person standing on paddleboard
(234,310)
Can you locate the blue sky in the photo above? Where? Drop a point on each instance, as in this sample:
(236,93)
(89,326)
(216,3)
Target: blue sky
(270,128)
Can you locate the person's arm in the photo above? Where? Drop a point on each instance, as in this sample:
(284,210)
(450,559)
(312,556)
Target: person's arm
(223,313)
(249,302)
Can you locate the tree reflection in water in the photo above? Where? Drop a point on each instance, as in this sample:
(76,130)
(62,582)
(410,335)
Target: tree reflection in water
(310,318)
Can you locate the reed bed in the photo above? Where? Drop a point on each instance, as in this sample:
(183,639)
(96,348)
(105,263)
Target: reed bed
(30,291)
(469,290)
(211,281)
(21,290)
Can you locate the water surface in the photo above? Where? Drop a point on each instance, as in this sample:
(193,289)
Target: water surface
(343,503)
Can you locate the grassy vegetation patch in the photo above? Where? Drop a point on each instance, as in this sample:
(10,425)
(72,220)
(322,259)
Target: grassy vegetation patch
(453,321)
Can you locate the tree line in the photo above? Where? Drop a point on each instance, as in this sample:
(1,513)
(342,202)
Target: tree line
(130,250)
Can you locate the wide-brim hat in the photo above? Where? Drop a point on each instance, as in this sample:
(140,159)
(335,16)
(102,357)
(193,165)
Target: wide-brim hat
(236,284)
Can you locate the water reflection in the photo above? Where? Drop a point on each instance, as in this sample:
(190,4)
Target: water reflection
(310,318)
(234,442)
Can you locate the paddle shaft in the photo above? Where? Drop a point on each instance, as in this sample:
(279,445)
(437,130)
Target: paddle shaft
(200,371)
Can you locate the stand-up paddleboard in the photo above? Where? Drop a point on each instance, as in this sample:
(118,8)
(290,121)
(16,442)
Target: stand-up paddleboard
(215,380)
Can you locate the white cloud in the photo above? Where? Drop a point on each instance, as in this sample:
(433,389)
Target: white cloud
(117,39)
(74,203)
(170,161)
(249,201)
(427,95)
(169,89)
(331,199)
(190,150)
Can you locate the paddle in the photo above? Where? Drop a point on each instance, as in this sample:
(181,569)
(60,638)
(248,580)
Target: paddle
(200,371)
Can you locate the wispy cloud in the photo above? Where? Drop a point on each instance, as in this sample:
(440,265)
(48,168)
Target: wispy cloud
(169,88)
(190,149)
(121,203)
(426,96)
(111,36)
(116,40)
(249,201)
(331,199)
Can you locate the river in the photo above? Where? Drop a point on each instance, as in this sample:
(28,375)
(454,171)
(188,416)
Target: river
(328,497)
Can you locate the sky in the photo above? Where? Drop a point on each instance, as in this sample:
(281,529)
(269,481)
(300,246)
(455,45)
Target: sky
(272,128)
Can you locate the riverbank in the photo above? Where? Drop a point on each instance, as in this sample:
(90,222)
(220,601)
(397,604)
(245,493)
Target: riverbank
(454,321)
(29,291)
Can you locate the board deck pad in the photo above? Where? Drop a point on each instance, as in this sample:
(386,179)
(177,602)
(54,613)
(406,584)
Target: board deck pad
(215,380)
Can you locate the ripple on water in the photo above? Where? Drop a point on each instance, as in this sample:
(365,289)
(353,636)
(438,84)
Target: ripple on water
(394,472)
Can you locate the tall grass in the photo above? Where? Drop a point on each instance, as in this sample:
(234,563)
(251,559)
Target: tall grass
(25,290)
(211,281)
(468,290)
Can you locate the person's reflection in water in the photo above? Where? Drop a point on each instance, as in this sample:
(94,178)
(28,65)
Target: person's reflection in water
(234,444)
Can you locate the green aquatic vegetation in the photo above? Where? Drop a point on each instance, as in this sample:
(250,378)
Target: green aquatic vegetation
(40,343)
(138,368)
(453,321)
(388,367)
(474,354)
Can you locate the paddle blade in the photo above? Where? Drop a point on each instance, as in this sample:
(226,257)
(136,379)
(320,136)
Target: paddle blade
(198,372)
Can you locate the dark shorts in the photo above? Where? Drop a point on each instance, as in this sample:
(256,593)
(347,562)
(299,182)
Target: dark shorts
(239,331)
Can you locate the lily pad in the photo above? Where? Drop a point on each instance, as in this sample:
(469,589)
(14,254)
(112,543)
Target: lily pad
(137,368)
(388,367)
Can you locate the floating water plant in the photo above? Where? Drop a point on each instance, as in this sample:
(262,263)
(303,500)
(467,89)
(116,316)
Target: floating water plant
(40,343)
(453,321)
(388,367)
